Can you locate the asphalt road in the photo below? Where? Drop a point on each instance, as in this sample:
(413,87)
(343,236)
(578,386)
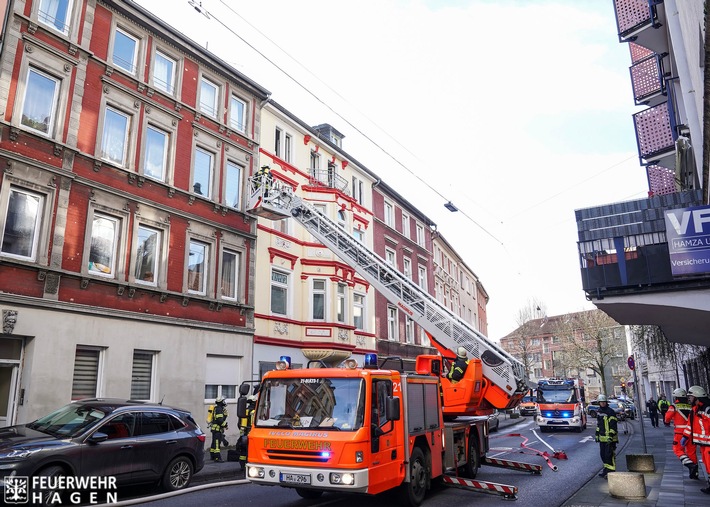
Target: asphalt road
(521,442)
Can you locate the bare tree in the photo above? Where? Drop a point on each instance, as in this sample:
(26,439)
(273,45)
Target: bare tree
(592,340)
(520,342)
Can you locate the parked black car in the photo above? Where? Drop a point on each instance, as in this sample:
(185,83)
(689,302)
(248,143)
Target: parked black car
(134,442)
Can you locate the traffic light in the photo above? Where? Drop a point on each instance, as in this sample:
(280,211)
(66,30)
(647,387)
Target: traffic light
(623,387)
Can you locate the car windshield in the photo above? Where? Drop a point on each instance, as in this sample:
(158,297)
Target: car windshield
(560,395)
(69,421)
(312,403)
(528,399)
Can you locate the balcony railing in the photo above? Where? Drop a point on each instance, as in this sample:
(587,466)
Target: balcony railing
(647,79)
(623,246)
(661,180)
(638,20)
(328,178)
(654,133)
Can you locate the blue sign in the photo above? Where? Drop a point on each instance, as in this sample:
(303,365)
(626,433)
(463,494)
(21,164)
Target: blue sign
(688,235)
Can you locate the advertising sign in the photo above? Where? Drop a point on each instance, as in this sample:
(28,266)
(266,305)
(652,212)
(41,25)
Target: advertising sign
(688,234)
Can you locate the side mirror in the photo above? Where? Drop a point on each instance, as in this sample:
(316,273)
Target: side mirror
(97,438)
(244,389)
(392,409)
(241,406)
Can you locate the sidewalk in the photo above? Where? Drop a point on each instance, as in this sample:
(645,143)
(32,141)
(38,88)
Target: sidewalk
(669,485)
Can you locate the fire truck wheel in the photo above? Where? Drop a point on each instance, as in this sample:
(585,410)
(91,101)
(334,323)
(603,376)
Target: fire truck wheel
(412,493)
(309,494)
(474,458)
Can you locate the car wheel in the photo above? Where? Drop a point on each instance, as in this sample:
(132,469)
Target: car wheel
(178,474)
(50,496)
(309,494)
(412,493)
(474,457)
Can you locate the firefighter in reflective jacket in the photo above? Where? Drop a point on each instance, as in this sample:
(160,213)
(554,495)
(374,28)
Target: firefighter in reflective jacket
(218,424)
(678,414)
(458,368)
(698,430)
(245,424)
(264,177)
(607,435)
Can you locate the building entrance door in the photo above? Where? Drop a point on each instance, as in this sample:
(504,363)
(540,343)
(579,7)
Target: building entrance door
(8,387)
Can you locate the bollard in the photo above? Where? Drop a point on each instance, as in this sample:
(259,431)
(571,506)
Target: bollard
(640,463)
(626,485)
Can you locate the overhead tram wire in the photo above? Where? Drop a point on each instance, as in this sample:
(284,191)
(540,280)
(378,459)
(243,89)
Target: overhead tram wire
(203,11)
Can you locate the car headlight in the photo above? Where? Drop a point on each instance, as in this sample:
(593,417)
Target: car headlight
(18,453)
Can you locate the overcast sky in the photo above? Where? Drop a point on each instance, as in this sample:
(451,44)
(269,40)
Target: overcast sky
(517,111)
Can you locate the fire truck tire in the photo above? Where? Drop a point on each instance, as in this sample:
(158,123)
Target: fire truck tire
(474,458)
(411,494)
(309,494)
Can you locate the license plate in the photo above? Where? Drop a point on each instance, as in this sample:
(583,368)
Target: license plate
(295,478)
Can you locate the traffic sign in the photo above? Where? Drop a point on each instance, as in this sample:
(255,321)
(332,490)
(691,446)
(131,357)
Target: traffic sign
(631,362)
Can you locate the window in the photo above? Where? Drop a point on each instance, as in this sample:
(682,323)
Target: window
(315,163)
(359,311)
(409,330)
(389,214)
(209,95)
(125,51)
(87,365)
(342,219)
(420,235)
(221,378)
(359,234)
(233,185)
(231,264)
(392,321)
(23,218)
(40,104)
(341,303)
(164,73)
(288,147)
(279,292)
(277,142)
(405,225)
(407,267)
(152,423)
(148,255)
(156,153)
(390,257)
(197,268)
(237,114)
(142,375)
(423,278)
(114,142)
(202,174)
(55,13)
(105,232)
(424,338)
(358,191)
(318,299)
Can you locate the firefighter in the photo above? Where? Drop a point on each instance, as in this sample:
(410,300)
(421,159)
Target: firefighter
(678,413)
(663,406)
(218,425)
(265,178)
(245,424)
(458,368)
(698,429)
(607,435)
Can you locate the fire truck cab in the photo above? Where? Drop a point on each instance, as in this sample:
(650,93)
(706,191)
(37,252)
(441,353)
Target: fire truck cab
(561,404)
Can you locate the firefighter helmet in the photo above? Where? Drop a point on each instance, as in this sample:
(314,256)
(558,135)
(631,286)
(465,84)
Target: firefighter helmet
(697,391)
(461,352)
(219,400)
(680,393)
(601,397)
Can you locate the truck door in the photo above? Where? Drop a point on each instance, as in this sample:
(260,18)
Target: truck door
(386,452)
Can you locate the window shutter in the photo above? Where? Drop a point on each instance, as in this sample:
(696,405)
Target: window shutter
(141,376)
(86,374)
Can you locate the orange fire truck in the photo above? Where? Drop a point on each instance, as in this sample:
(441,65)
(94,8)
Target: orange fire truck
(560,404)
(373,427)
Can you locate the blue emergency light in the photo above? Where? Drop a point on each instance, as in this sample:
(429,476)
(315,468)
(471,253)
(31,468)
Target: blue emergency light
(286,359)
(370,360)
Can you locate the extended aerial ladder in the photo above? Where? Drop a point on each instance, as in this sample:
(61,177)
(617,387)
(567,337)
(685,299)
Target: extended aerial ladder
(504,376)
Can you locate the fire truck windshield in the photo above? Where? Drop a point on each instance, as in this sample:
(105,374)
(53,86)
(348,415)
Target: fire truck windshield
(333,403)
(560,395)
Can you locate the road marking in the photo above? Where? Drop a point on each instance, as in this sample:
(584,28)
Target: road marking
(586,439)
(541,440)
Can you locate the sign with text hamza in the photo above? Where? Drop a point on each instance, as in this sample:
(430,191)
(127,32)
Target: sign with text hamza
(688,235)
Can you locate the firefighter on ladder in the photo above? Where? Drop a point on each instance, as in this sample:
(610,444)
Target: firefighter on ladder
(264,178)
(678,413)
(607,435)
(458,368)
(698,430)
